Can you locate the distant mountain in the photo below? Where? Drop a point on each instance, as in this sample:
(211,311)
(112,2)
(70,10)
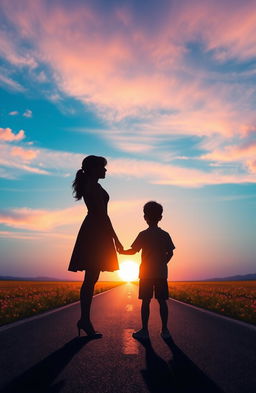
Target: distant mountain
(244,277)
(11,278)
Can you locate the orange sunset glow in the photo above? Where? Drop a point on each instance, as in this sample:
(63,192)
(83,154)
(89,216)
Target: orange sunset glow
(129,271)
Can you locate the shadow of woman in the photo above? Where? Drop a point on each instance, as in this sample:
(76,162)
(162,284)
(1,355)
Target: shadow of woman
(179,375)
(40,378)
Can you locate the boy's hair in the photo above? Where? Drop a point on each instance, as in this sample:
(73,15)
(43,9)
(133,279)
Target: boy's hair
(153,210)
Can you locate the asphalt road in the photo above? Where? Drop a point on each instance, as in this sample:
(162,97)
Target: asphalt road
(207,353)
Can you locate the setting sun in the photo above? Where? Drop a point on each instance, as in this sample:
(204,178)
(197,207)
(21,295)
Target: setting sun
(129,271)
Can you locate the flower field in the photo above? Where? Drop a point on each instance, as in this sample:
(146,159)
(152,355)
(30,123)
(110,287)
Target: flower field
(20,299)
(236,299)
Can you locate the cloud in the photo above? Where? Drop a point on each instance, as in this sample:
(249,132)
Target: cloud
(158,173)
(44,161)
(10,83)
(40,220)
(27,113)
(32,235)
(18,160)
(13,113)
(24,154)
(13,53)
(150,75)
(252,166)
(35,235)
(241,152)
(7,135)
(124,64)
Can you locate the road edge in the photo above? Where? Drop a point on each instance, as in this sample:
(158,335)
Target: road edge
(43,314)
(215,314)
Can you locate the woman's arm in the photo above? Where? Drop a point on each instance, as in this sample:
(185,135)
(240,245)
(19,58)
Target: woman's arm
(99,208)
(118,244)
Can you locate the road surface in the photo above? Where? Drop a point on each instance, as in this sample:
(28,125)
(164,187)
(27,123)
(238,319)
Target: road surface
(208,353)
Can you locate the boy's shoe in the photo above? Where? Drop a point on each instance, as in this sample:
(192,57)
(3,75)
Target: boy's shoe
(141,334)
(165,334)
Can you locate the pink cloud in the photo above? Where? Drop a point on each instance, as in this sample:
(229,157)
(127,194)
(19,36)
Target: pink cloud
(252,166)
(40,220)
(13,113)
(131,69)
(35,235)
(46,220)
(25,154)
(7,135)
(155,172)
(16,160)
(233,152)
(18,57)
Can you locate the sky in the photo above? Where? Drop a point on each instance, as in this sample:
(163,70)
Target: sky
(165,91)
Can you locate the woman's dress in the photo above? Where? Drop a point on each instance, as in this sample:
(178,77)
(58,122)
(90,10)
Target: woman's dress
(94,247)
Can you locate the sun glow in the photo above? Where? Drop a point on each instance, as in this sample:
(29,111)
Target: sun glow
(129,271)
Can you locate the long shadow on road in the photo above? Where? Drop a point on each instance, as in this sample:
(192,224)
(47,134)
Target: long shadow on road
(40,378)
(180,375)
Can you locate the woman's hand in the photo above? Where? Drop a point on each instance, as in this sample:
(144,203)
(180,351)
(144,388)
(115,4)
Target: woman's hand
(119,246)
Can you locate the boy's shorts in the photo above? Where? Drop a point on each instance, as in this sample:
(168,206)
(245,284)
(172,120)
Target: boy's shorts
(158,286)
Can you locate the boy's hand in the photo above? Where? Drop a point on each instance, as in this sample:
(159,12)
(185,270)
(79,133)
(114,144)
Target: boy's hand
(168,256)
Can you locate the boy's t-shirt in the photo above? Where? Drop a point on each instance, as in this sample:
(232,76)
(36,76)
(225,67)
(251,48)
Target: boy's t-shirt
(154,243)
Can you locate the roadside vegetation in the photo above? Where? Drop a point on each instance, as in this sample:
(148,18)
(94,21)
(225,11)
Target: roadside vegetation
(236,299)
(21,299)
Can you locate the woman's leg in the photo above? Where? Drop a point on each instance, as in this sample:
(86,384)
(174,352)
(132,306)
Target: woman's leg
(86,294)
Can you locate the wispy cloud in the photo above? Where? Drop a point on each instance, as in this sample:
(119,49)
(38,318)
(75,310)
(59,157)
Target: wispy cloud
(13,113)
(10,83)
(27,113)
(158,173)
(35,235)
(146,66)
(40,220)
(25,154)
(45,161)
(43,220)
(161,76)
(243,152)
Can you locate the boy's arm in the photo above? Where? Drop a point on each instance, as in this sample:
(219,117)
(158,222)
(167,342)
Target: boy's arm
(135,247)
(169,249)
(131,251)
(168,255)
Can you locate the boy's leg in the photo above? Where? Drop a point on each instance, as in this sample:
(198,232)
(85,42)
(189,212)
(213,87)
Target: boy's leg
(162,294)
(143,334)
(145,313)
(163,313)
(145,294)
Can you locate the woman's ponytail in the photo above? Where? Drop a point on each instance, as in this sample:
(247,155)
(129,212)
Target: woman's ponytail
(78,184)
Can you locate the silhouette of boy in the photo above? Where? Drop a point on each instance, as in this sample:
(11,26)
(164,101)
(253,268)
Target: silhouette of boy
(157,249)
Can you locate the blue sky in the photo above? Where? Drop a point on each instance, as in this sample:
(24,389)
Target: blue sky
(165,92)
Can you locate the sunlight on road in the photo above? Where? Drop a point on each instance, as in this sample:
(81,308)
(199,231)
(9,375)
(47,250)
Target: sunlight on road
(130,346)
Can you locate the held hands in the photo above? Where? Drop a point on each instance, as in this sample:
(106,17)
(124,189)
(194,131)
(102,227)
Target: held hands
(119,246)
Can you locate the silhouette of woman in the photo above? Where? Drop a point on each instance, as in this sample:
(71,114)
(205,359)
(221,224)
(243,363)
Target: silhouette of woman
(96,243)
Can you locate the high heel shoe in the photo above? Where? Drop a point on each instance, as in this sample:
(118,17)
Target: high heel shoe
(88,329)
